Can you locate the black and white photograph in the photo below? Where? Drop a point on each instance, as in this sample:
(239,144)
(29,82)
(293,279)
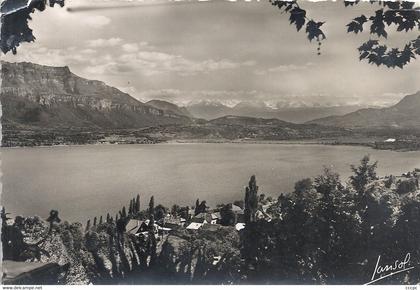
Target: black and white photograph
(210,142)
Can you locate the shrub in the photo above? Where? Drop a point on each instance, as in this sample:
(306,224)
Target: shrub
(406,186)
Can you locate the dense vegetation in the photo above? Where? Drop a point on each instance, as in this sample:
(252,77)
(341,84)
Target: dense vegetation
(330,232)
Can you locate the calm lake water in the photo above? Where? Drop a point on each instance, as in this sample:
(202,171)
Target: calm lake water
(86,181)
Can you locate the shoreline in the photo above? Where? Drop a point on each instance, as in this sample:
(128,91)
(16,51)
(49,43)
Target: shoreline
(328,142)
(200,141)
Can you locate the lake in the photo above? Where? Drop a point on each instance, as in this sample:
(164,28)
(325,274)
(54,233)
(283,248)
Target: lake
(86,181)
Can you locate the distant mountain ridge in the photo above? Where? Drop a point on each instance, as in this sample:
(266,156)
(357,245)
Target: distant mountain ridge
(208,110)
(45,96)
(170,108)
(214,110)
(403,115)
(249,121)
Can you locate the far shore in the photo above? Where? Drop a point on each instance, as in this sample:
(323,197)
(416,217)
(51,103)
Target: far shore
(329,142)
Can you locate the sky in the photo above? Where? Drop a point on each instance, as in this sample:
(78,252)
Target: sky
(219,51)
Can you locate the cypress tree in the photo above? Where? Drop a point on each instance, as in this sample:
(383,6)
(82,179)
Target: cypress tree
(94,221)
(251,205)
(123,212)
(137,207)
(100,220)
(197,205)
(246,209)
(53,218)
(130,207)
(151,211)
(152,238)
(4,217)
(88,225)
(202,207)
(108,218)
(251,200)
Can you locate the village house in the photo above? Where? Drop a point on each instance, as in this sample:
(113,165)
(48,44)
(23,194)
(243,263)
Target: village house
(133,226)
(239,213)
(239,226)
(137,227)
(194,226)
(262,214)
(171,221)
(203,218)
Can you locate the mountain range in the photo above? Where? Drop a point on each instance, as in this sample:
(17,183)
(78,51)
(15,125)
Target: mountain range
(212,109)
(403,115)
(37,96)
(44,96)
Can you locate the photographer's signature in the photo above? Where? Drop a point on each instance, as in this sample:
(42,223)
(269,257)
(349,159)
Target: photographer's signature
(384,271)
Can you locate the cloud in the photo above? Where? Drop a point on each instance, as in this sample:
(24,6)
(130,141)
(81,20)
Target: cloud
(100,42)
(146,60)
(130,47)
(88,51)
(134,47)
(97,21)
(284,68)
(128,58)
(52,56)
(134,58)
(155,62)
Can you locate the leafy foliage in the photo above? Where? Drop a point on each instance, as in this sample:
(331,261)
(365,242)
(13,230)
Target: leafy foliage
(53,218)
(200,207)
(378,25)
(227,216)
(313,30)
(406,186)
(363,174)
(379,54)
(298,18)
(303,185)
(351,3)
(160,212)
(14,21)
(356,25)
(402,14)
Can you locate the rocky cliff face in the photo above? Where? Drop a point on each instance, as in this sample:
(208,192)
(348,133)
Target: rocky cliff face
(43,96)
